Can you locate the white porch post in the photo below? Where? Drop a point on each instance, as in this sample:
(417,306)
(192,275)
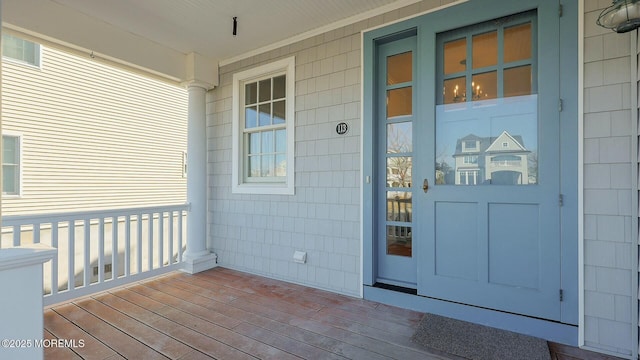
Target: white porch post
(197,257)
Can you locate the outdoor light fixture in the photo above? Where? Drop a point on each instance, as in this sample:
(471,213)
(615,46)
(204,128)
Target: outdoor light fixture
(621,17)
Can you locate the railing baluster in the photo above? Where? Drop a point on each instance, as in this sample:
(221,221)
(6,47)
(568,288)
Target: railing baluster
(87,252)
(150,240)
(71,254)
(180,236)
(127,245)
(139,240)
(36,233)
(114,247)
(54,261)
(170,237)
(161,239)
(16,235)
(101,250)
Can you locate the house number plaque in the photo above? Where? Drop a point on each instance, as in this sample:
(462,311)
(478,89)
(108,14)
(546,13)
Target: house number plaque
(342,128)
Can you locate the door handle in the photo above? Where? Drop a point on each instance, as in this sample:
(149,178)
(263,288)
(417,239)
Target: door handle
(425,186)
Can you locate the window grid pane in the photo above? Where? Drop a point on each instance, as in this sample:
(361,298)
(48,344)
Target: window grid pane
(20,49)
(10,165)
(485,50)
(264,128)
(502,64)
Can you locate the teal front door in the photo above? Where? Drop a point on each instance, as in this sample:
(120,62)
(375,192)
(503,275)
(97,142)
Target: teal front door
(468,192)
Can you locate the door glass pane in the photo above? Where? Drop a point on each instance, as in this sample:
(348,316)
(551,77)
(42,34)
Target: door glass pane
(455,90)
(399,102)
(399,240)
(399,171)
(517,43)
(517,81)
(399,211)
(399,138)
(484,86)
(488,145)
(399,206)
(485,50)
(399,69)
(455,56)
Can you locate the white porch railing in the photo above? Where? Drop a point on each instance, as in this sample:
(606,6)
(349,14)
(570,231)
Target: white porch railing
(98,250)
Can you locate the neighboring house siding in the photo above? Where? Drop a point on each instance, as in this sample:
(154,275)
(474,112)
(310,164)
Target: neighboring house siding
(93,136)
(608,183)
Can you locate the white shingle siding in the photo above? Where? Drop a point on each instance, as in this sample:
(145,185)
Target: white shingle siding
(93,136)
(259,233)
(608,155)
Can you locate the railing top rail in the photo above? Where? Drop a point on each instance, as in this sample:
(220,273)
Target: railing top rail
(87,215)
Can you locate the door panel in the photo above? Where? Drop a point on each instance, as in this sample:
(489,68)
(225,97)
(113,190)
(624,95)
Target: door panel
(456,234)
(514,245)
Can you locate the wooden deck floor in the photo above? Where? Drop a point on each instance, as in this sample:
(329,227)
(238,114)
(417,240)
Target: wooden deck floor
(225,314)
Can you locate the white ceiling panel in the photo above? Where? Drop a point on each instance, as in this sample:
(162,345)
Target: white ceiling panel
(205,26)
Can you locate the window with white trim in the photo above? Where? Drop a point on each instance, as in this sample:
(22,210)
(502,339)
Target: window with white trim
(11,164)
(263,129)
(20,50)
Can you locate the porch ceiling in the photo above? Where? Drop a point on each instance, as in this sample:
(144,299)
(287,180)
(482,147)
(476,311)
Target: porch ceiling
(159,35)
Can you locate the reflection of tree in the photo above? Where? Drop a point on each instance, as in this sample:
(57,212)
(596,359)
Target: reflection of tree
(442,167)
(400,168)
(398,141)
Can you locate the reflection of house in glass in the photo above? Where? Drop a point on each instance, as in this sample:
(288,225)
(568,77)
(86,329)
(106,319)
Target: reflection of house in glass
(502,160)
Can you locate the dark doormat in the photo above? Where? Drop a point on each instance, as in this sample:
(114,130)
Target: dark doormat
(478,342)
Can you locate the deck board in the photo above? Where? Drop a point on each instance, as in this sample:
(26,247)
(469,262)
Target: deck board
(226,314)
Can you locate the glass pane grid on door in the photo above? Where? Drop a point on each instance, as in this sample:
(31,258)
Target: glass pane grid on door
(399,150)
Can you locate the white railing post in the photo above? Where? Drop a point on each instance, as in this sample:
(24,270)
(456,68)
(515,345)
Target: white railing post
(21,303)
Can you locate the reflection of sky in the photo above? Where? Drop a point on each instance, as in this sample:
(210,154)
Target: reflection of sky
(488,118)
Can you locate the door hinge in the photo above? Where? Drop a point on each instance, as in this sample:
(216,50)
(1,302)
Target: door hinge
(560,10)
(561,295)
(561,200)
(560,105)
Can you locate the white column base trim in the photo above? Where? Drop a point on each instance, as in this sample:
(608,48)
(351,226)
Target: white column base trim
(199,262)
